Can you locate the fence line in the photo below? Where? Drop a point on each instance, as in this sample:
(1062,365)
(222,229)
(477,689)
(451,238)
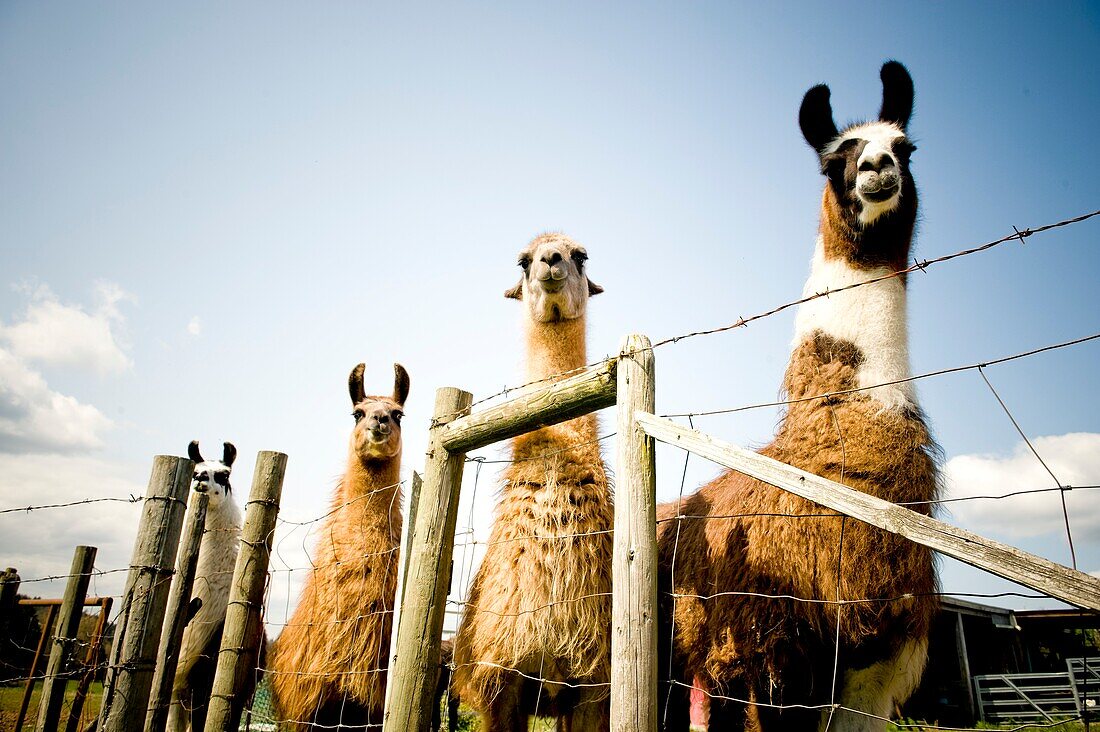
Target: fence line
(1017,235)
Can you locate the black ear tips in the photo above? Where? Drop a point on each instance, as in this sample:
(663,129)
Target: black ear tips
(229,453)
(193,452)
(355,384)
(400,384)
(815,117)
(897,94)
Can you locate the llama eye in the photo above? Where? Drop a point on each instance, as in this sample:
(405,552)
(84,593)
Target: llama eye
(524,262)
(358,414)
(397,418)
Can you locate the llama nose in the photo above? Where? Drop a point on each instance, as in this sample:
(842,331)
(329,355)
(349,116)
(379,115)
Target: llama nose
(553,259)
(876,163)
(543,271)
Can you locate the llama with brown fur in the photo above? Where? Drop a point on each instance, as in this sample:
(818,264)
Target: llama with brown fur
(537,624)
(329,664)
(758,571)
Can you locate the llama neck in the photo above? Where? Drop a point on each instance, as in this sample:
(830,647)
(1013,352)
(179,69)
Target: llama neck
(555,348)
(871,317)
(370,486)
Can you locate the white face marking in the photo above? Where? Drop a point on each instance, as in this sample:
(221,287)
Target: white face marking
(212,469)
(880,137)
(873,317)
(876,689)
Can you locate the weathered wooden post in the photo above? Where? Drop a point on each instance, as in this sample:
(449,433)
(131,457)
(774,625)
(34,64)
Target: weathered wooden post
(243,622)
(137,634)
(28,688)
(68,623)
(175,619)
(90,661)
(402,571)
(9,596)
(416,663)
(634,562)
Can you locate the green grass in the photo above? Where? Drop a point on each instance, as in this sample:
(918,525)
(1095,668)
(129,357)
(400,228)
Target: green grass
(11,696)
(1067,726)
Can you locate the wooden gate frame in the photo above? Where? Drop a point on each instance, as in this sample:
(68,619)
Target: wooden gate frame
(628,380)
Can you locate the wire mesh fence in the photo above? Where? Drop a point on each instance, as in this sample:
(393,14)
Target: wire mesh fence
(552,628)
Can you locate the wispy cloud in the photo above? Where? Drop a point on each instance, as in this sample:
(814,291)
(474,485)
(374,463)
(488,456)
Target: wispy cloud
(1075,460)
(51,333)
(34,417)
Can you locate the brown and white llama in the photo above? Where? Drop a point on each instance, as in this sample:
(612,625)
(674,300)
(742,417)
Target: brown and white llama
(536,629)
(328,667)
(757,569)
(202,637)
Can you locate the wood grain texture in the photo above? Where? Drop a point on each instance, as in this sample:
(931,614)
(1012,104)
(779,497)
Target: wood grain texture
(588,391)
(243,631)
(175,618)
(416,662)
(634,563)
(1062,583)
(130,678)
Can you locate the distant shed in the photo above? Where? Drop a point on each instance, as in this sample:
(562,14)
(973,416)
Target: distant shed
(971,642)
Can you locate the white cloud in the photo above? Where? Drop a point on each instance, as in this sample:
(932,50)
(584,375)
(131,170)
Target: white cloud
(1075,460)
(40,543)
(51,333)
(35,418)
(194,326)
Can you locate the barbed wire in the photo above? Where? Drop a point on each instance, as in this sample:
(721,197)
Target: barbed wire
(894,382)
(742,322)
(82,502)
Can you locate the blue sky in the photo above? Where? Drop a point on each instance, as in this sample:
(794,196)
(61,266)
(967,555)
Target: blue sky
(210,213)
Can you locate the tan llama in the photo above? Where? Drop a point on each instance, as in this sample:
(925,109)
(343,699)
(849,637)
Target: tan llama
(537,622)
(776,646)
(328,666)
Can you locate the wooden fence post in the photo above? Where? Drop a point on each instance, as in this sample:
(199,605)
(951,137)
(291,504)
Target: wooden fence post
(176,617)
(243,619)
(402,570)
(634,562)
(428,575)
(68,623)
(90,662)
(28,688)
(137,630)
(9,596)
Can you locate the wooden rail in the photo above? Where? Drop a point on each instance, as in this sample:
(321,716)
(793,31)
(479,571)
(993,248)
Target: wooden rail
(559,401)
(1062,583)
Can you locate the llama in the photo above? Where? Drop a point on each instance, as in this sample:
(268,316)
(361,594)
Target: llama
(202,637)
(329,664)
(737,535)
(540,605)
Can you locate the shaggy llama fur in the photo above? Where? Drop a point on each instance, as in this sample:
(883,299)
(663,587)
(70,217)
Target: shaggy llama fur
(540,604)
(737,535)
(329,664)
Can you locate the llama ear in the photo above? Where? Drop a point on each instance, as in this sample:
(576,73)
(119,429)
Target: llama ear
(816,118)
(229,454)
(193,452)
(400,384)
(897,94)
(593,288)
(355,384)
(516,292)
